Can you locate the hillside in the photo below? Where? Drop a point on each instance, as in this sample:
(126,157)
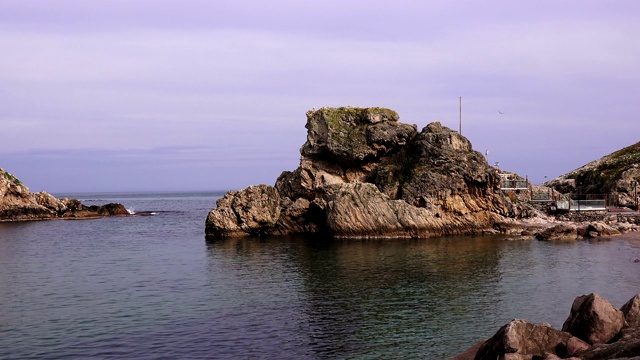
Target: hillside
(614,174)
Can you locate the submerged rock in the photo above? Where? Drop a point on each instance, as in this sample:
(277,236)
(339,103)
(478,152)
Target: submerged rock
(364,173)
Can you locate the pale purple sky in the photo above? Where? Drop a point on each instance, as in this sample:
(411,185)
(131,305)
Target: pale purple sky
(130,95)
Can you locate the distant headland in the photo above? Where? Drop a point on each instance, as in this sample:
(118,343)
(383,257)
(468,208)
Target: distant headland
(17,203)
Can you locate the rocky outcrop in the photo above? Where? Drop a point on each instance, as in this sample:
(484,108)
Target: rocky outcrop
(594,330)
(18,203)
(613,174)
(363,173)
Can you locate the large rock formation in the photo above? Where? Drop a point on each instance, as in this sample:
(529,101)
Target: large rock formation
(613,174)
(363,173)
(18,203)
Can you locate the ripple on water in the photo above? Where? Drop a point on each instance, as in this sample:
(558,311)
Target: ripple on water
(152,288)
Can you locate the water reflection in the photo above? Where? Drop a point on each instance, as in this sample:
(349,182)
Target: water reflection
(374,298)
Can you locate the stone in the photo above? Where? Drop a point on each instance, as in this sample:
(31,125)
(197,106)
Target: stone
(560,232)
(598,229)
(631,311)
(576,346)
(252,211)
(593,319)
(520,339)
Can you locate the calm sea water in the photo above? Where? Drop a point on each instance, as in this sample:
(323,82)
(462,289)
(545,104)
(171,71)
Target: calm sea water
(152,288)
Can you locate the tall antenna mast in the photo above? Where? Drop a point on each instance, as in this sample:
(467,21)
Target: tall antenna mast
(460,115)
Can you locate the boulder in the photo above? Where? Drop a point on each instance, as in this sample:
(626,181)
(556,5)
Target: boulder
(352,136)
(252,211)
(631,311)
(593,319)
(576,346)
(560,232)
(520,339)
(598,229)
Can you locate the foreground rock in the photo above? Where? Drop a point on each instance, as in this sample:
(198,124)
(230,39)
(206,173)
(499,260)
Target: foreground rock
(594,320)
(594,330)
(520,338)
(18,203)
(363,173)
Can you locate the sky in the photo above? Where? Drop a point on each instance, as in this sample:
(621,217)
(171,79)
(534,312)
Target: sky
(194,95)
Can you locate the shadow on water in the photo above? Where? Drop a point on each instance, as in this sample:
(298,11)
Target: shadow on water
(373,298)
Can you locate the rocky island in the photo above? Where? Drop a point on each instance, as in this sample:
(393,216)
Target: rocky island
(17,203)
(364,174)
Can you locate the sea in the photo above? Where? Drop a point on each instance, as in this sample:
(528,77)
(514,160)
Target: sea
(152,287)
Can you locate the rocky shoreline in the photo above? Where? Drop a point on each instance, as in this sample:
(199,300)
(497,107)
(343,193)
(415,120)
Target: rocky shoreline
(364,174)
(17,203)
(594,330)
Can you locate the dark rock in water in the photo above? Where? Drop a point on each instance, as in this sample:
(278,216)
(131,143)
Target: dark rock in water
(560,232)
(520,339)
(363,173)
(593,319)
(18,203)
(252,211)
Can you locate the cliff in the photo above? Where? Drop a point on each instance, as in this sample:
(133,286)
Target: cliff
(363,173)
(612,174)
(18,203)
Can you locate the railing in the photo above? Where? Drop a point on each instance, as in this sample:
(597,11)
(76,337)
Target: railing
(514,185)
(541,196)
(581,205)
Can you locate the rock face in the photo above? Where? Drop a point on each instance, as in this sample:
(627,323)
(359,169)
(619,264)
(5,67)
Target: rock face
(18,203)
(593,319)
(613,174)
(363,173)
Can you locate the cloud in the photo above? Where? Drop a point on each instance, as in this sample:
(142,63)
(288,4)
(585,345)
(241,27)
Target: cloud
(127,77)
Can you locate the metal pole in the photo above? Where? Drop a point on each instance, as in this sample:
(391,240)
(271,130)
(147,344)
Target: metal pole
(460,115)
